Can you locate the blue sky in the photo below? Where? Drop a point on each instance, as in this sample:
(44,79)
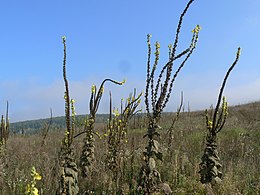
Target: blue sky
(107,39)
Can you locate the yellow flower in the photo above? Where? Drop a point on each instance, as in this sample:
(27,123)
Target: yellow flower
(37,176)
(210,124)
(102,90)
(148,39)
(239,51)
(63,38)
(157,51)
(93,89)
(157,45)
(116,113)
(196,29)
(123,81)
(35,191)
(30,188)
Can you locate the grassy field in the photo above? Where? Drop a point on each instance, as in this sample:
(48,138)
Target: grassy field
(238,146)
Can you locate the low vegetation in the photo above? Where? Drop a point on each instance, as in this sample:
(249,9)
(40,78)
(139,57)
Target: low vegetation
(238,142)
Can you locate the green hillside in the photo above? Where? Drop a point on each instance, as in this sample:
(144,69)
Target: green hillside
(57,123)
(246,112)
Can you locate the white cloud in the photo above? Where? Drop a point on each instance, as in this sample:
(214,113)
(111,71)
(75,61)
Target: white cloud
(33,100)
(203,97)
(244,93)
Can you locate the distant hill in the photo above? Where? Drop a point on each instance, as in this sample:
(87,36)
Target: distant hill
(246,112)
(33,126)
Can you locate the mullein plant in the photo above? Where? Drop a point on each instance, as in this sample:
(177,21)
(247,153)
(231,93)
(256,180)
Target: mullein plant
(149,177)
(117,135)
(4,134)
(210,162)
(68,168)
(87,155)
(4,129)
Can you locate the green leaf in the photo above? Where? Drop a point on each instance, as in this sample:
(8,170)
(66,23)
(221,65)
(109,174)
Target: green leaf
(151,163)
(156,145)
(159,155)
(156,134)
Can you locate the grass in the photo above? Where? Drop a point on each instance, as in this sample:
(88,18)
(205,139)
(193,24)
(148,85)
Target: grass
(238,142)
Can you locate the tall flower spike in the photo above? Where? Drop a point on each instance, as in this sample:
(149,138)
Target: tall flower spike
(210,162)
(68,168)
(88,152)
(149,177)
